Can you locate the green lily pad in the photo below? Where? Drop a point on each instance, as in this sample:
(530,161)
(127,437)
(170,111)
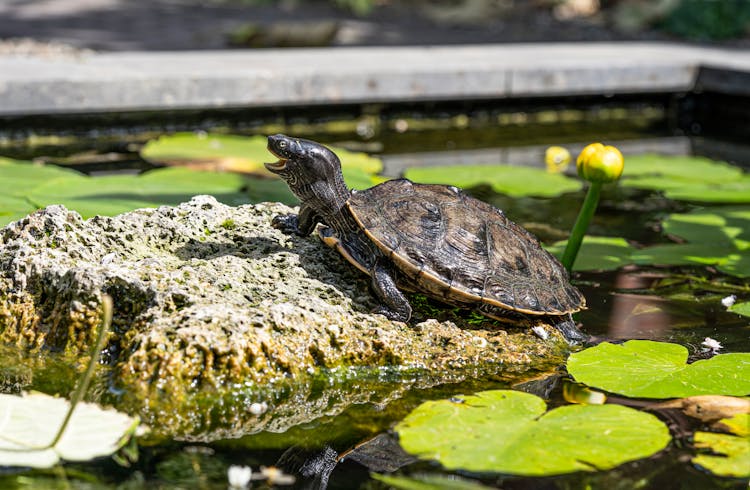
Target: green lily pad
(26,187)
(717,236)
(246,154)
(648,369)
(428,482)
(728,192)
(732,454)
(679,168)
(506,179)
(28,423)
(726,225)
(598,253)
(688,178)
(237,153)
(115,194)
(737,265)
(683,254)
(509,432)
(741,308)
(739,424)
(14,208)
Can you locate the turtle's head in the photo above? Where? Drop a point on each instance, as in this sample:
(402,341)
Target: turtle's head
(302,163)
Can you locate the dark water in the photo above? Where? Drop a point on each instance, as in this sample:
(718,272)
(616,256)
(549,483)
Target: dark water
(676,305)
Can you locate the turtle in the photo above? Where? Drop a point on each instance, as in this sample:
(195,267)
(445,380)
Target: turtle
(427,238)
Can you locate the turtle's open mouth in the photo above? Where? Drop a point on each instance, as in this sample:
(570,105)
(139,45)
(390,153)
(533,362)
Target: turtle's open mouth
(280,165)
(275,166)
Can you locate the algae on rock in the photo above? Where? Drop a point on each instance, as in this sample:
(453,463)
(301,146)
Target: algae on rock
(215,310)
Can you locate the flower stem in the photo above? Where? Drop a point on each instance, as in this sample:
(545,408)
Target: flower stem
(93,361)
(581,225)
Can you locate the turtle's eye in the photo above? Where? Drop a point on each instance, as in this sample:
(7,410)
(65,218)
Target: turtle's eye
(282,145)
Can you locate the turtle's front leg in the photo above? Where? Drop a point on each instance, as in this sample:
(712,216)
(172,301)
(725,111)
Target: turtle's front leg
(396,305)
(301,224)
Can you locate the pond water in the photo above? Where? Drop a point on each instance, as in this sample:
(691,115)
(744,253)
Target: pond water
(680,304)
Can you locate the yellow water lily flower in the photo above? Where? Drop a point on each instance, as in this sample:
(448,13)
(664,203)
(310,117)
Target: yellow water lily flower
(599,163)
(557,159)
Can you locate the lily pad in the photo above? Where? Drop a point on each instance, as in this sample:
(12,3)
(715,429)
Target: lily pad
(509,432)
(506,179)
(738,424)
(218,152)
(717,236)
(29,423)
(648,369)
(115,194)
(245,154)
(688,178)
(26,187)
(598,253)
(731,453)
(728,225)
(729,192)
(741,308)
(429,482)
(683,254)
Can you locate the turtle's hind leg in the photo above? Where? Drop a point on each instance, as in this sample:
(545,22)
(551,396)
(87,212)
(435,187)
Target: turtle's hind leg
(568,328)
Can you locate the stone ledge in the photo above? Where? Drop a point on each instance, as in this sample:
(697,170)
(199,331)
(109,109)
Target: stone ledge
(266,78)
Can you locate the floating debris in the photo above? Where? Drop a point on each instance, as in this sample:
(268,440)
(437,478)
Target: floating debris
(728,301)
(711,345)
(239,477)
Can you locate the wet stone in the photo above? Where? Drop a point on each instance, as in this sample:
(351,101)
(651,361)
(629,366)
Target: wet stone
(210,317)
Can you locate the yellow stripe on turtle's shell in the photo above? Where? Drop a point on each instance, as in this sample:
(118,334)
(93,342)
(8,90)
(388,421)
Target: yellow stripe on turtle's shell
(420,274)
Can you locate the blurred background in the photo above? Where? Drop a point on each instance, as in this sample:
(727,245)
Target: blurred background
(205,24)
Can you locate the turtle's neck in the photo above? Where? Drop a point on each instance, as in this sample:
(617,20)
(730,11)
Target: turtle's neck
(328,199)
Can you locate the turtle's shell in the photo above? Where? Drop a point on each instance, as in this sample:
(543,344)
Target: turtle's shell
(462,249)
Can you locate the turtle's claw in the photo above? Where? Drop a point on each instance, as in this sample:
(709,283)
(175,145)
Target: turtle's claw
(390,314)
(286,223)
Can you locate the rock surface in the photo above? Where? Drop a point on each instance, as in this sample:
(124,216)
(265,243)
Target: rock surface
(215,311)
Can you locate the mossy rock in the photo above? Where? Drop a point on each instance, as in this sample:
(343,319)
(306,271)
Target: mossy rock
(210,318)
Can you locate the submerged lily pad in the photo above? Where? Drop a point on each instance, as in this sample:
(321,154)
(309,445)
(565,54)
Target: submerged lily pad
(648,369)
(731,452)
(725,225)
(506,179)
(716,236)
(245,154)
(598,253)
(509,432)
(29,423)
